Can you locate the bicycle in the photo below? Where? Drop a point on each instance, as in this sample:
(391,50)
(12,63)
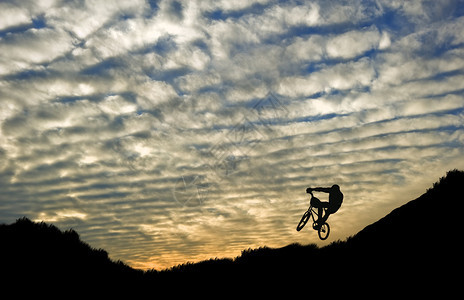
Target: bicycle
(323,231)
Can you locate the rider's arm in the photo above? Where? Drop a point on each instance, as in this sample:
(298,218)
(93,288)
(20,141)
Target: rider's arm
(321,189)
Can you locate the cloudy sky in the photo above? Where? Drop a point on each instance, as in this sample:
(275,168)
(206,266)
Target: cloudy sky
(168,131)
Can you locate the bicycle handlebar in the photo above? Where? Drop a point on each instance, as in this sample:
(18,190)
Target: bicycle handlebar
(310,191)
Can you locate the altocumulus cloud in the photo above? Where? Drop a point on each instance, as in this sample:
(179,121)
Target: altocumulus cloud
(168,131)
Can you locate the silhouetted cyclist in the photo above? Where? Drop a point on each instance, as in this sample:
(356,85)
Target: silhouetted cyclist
(335,201)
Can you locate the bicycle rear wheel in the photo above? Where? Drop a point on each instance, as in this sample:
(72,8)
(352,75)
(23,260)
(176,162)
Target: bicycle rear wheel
(303,221)
(324,231)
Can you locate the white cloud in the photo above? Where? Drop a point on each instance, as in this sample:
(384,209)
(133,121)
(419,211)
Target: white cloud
(343,46)
(84,20)
(33,47)
(311,49)
(353,43)
(385,41)
(61,215)
(402,65)
(116,105)
(226,36)
(235,5)
(195,81)
(11,15)
(340,77)
(299,15)
(124,36)
(152,93)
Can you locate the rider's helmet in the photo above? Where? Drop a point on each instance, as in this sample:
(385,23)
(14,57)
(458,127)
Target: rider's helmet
(335,187)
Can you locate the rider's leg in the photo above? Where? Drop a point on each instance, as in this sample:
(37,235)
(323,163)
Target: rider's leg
(320,213)
(326,216)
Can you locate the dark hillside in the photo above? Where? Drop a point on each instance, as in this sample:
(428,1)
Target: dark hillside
(428,224)
(431,217)
(416,244)
(418,241)
(42,255)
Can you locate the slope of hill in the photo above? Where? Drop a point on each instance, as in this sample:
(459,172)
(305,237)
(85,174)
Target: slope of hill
(415,242)
(41,255)
(432,216)
(419,240)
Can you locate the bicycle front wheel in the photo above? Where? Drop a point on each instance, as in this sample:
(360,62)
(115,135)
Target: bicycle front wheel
(303,221)
(324,231)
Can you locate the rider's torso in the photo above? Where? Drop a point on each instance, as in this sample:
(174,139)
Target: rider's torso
(335,199)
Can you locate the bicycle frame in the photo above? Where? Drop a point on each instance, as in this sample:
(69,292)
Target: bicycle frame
(323,230)
(313,210)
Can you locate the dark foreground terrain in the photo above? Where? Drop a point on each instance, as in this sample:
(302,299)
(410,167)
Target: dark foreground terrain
(416,248)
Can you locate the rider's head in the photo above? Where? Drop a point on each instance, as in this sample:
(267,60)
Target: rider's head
(335,187)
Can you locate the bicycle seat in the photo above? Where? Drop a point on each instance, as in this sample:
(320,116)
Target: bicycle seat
(315,201)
